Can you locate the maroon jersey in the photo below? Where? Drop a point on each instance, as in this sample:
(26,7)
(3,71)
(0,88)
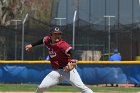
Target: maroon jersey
(58,52)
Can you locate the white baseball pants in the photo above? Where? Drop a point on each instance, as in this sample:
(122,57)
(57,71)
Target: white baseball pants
(56,76)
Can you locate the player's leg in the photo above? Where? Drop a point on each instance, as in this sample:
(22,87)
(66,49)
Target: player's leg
(50,80)
(74,78)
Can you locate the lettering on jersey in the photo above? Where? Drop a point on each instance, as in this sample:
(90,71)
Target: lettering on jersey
(52,53)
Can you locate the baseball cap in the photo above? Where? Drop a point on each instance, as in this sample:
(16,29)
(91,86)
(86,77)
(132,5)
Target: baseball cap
(56,30)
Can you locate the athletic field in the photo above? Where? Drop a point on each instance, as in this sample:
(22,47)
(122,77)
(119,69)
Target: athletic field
(30,88)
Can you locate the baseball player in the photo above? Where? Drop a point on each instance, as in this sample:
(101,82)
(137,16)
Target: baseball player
(63,65)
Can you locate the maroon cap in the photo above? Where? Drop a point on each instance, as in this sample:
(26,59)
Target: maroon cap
(56,30)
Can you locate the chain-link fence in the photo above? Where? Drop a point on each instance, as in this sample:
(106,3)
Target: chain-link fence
(92,30)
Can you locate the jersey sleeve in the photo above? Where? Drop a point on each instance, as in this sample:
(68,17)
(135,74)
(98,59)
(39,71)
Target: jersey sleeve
(39,42)
(65,47)
(46,40)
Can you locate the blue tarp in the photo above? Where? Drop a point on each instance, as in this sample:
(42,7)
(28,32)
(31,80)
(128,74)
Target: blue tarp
(90,74)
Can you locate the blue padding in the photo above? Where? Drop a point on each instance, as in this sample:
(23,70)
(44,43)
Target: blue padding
(90,74)
(101,74)
(23,73)
(1,74)
(134,74)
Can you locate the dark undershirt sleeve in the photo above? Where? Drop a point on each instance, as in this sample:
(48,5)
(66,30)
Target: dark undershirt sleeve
(39,42)
(70,52)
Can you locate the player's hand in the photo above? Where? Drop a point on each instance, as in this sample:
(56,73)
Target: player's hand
(71,65)
(28,47)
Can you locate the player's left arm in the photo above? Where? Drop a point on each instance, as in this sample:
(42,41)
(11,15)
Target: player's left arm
(30,46)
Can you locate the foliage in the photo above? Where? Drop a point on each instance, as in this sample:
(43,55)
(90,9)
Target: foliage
(17,9)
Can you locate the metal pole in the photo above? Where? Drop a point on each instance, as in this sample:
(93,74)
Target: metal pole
(139,2)
(109,33)
(22,50)
(73,40)
(16,23)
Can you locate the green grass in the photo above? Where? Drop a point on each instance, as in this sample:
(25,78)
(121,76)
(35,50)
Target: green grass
(60,88)
(17,87)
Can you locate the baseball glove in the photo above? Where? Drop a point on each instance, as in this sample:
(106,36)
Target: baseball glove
(71,65)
